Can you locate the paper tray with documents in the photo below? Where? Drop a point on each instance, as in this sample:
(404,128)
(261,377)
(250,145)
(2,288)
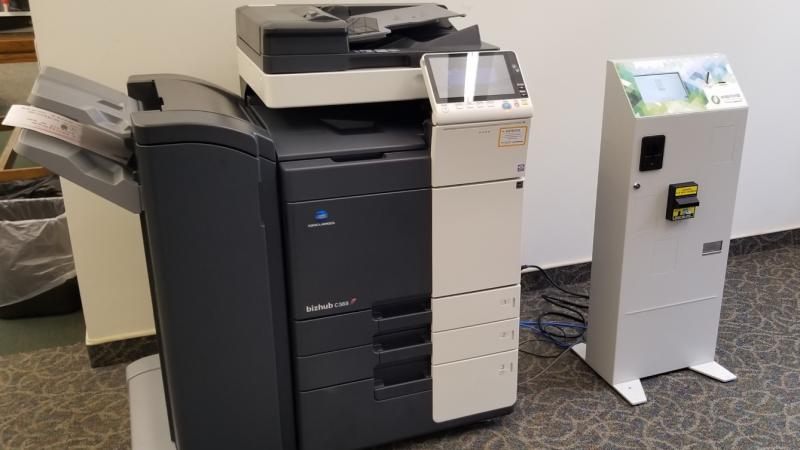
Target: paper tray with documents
(81,132)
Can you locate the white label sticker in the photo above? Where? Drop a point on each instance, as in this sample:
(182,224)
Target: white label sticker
(513,136)
(724,96)
(67,130)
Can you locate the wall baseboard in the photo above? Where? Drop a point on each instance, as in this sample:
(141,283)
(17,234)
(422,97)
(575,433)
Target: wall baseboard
(129,350)
(764,242)
(122,351)
(581,273)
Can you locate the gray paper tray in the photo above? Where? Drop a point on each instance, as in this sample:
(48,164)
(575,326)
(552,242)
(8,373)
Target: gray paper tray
(106,178)
(92,104)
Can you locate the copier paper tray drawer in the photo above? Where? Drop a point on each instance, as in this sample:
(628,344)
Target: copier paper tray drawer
(357,415)
(389,357)
(343,331)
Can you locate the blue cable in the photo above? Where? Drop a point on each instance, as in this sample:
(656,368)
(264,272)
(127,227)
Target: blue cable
(529,323)
(535,327)
(561,334)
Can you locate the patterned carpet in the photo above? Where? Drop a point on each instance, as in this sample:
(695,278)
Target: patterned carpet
(52,399)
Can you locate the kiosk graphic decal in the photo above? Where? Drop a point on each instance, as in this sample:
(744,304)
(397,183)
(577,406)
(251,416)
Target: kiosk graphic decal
(681,85)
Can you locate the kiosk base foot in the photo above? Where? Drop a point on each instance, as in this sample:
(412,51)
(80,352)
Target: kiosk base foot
(714,370)
(631,391)
(580,350)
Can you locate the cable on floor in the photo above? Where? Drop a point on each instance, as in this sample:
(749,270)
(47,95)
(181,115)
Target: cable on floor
(533,353)
(549,366)
(563,325)
(533,268)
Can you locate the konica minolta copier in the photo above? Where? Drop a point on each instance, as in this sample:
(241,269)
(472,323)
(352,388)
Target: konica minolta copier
(334,254)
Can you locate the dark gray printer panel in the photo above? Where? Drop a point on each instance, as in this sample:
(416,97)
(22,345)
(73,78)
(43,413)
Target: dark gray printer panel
(180,108)
(170,92)
(212,295)
(292,29)
(344,133)
(355,186)
(315,179)
(283,39)
(356,231)
(204,180)
(213,240)
(347,254)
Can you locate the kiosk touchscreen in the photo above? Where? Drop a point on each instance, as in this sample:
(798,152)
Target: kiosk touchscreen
(671,148)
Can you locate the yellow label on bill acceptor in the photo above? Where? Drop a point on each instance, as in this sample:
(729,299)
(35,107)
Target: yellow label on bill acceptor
(688,190)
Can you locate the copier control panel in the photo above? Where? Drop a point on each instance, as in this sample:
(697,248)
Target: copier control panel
(475,87)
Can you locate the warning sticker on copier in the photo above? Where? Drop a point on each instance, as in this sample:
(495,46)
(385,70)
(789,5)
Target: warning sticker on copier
(512,136)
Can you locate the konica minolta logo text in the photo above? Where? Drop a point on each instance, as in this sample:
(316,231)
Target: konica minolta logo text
(322,219)
(331,305)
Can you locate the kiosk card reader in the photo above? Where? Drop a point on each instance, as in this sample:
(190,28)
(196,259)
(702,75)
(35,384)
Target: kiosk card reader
(673,131)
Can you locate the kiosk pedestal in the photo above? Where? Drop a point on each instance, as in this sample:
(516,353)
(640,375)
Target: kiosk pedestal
(673,130)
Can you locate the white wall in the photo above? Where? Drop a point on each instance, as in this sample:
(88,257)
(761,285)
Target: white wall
(110,263)
(563,46)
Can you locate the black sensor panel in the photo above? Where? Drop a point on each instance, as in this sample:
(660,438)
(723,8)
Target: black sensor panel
(652,156)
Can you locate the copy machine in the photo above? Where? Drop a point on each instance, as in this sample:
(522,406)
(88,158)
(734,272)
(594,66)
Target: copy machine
(330,269)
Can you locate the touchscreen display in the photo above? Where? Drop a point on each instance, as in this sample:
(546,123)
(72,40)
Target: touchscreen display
(471,76)
(661,87)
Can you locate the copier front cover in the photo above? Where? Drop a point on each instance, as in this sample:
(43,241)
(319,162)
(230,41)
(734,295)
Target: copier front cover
(355,187)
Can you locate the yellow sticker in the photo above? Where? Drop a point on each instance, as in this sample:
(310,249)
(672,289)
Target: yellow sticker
(684,213)
(512,136)
(688,190)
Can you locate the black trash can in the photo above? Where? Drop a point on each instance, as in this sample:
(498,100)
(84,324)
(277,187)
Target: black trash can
(37,272)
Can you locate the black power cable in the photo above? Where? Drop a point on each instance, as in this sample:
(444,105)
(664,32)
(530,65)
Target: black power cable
(553,283)
(564,325)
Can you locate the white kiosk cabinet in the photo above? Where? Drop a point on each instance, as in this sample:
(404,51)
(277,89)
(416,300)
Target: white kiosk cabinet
(669,164)
(479,140)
